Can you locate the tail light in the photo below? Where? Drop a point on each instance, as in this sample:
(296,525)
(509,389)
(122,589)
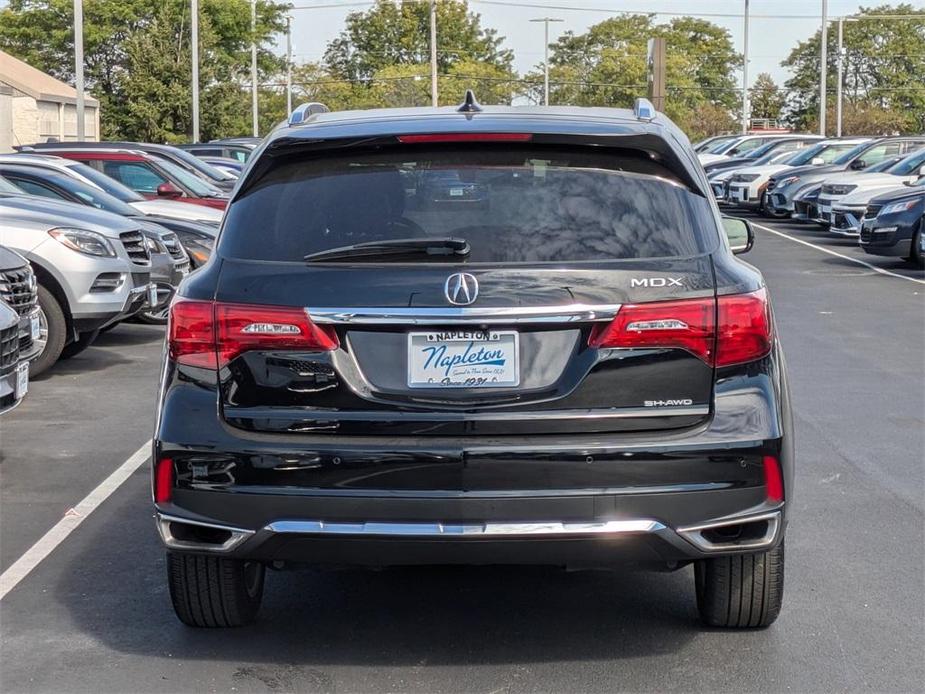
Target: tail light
(722,332)
(210,334)
(773,480)
(163,480)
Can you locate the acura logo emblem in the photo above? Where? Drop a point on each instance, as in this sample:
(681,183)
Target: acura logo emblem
(461,288)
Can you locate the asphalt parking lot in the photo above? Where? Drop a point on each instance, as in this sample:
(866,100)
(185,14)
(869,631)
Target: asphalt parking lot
(95,614)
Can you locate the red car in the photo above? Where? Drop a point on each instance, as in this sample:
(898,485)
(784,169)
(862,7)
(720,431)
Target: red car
(147,175)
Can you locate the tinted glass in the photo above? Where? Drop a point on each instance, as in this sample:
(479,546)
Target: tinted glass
(532,205)
(908,166)
(33,188)
(7,187)
(187,179)
(109,185)
(138,176)
(95,197)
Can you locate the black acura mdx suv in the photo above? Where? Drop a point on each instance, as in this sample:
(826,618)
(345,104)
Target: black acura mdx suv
(557,360)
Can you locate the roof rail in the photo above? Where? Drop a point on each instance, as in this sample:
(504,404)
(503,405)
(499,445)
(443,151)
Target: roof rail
(644,110)
(304,111)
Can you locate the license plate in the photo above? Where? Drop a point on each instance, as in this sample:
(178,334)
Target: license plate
(35,327)
(740,195)
(22,380)
(824,211)
(456,192)
(152,295)
(464,359)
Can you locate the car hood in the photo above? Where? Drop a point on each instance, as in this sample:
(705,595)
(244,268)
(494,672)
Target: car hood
(10,259)
(710,158)
(815,171)
(763,170)
(52,213)
(863,196)
(178,210)
(897,194)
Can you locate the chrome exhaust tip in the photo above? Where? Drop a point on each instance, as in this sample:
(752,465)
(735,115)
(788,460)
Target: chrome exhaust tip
(195,536)
(746,533)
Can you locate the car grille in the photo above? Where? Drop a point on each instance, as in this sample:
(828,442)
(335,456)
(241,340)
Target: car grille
(135,246)
(866,234)
(872,211)
(18,289)
(172,243)
(9,346)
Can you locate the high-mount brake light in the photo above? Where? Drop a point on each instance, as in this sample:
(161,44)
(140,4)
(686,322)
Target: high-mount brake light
(465,137)
(210,334)
(729,330)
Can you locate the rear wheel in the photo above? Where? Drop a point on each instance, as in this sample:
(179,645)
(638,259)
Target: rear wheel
(214,591)
(83,341)
(917,250)
(52,332)
(740,591)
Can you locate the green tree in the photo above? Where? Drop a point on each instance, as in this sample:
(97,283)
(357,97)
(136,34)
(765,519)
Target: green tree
(884,65)
(606,66)
(137,59)
(382,57)
(766,98)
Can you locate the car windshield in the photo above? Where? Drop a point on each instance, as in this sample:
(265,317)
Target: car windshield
(8,188)
(759,152)
(722,145)
(825,152)
(848,156)
(908,166)
(518,205)
(188,180)
(95,197)
(199,165)
(109,185)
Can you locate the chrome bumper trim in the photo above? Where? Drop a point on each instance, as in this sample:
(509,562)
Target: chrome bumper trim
(572,313)
(534,529)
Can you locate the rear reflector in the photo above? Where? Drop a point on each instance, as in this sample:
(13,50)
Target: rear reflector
(209,334)
(729,330)
(773,480)
(163,480)
(465,137)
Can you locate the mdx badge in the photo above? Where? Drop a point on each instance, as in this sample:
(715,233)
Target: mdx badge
(461,288)
(656,282)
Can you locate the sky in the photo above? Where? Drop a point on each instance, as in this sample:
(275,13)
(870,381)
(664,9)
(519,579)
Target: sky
(770,39)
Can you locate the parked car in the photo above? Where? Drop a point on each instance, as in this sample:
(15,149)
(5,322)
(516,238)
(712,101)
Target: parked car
(225,150)
(19,291)
(893,224)
(806,202)
(93,269)
(159,207)
(148,175)
(844,198)
(739,147)
(169,261)
(783,187)
(721,181)
(766,152)
(711,142)
(232,167)
(582,374)
(752,182)
(14,371)
(176,156)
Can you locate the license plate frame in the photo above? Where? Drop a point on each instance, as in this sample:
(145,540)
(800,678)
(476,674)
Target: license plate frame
(469,359)
(21,387)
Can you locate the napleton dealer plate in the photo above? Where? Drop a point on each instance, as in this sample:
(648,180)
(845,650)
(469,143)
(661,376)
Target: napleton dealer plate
(464,359)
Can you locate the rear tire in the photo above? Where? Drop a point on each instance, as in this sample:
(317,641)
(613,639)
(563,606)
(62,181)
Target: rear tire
(916,255)
(742,590)
(83,341)
(214,591)
(53,331)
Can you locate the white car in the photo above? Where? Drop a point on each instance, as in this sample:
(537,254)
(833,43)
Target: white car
(862,185)
(737,147)
(848,213)
(173,209)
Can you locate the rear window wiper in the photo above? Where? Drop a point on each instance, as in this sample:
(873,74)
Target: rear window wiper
(446,248)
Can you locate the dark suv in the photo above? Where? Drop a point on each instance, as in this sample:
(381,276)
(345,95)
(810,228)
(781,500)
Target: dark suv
(577,373)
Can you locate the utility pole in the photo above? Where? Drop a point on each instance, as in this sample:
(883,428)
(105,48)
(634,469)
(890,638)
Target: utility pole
(823,63)
(256,125)
(546,21)
(433,53)
(745,74)
(79,68)
(841,73)
(194,44)
(288,65)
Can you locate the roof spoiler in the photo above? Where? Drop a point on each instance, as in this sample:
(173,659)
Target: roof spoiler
(304,111)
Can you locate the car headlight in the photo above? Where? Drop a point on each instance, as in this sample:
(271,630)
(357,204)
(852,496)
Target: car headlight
(790,180)
(899,206)
(153,245)
(83,241)
(199,249)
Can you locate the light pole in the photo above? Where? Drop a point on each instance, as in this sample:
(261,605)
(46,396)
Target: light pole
(256,125)
(433,53)
(546,21)
(841,73)
(823,62)
(194,45)
(79,68)
(745,74)
(288,65)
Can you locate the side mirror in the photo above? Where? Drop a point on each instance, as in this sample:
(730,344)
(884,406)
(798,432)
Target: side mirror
(817,161)
(169,191)
(740,234)
(922,170)
(858,165)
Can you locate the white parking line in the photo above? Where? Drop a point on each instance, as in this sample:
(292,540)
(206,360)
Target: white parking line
(839,255)
(72,519)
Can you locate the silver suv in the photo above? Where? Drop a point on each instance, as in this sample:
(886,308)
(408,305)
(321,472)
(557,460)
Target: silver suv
(93,269)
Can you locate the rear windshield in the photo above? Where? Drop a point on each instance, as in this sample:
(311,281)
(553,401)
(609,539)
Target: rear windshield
(530,205)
